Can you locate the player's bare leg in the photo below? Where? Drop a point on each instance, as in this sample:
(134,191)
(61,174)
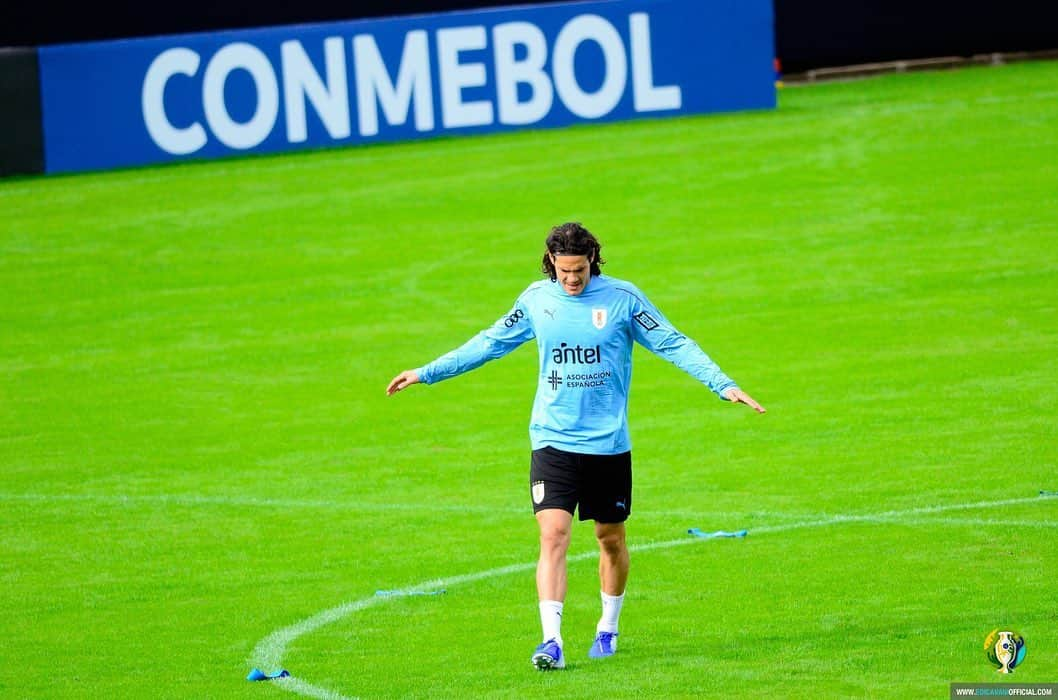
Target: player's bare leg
(555,527)
(613,557)
(613,576)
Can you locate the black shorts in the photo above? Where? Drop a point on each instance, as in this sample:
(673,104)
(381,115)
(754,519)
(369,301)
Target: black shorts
(601,485)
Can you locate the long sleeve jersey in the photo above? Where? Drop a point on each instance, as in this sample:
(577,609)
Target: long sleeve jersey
(585,344)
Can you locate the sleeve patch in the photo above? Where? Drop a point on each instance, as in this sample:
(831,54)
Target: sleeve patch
(646,321)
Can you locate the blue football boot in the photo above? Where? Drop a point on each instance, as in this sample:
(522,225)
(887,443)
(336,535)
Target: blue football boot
(548,656)
(605,644)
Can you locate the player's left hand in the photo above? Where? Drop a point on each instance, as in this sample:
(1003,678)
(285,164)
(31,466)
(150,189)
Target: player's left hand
(739,396)
(402,381)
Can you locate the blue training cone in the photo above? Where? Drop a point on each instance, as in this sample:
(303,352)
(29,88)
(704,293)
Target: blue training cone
(259,675)
(719,533)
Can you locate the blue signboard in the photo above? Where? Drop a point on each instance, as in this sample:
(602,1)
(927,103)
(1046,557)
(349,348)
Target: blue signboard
(121,103)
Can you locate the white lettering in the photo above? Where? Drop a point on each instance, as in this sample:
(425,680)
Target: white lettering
(301,82)
(510,73)
(601,102)
(413,83)
(455,76)
(529,75)
(171,139)
(645,96)
(251,59)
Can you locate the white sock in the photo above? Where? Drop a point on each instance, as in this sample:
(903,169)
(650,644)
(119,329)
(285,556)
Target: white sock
(611,611)
(551,619)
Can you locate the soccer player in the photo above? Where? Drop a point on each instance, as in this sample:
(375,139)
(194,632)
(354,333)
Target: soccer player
(584,323)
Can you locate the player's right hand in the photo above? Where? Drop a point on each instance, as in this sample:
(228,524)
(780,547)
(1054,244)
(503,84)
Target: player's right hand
(402,381)
(738,396)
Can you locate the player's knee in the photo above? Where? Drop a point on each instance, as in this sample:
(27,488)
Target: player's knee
(612,542)
(554,536)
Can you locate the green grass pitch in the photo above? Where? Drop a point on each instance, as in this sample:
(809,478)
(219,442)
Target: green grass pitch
(197,453)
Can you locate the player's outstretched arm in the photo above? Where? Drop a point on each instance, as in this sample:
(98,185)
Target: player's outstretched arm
(402,381)
(738,396)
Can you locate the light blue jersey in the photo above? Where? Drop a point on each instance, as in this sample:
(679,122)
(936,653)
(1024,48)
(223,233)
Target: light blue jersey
(585,344)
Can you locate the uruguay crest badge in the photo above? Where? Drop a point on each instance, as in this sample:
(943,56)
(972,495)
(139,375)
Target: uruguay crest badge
(538,492)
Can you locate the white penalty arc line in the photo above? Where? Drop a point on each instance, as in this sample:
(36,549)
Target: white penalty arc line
(269,652)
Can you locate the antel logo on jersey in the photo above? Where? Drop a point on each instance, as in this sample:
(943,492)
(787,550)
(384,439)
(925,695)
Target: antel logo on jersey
(524,76)
(564,354)
(514,318)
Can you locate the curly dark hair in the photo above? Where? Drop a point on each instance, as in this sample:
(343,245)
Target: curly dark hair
(572,239)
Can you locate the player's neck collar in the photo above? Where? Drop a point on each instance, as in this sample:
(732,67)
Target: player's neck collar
(592,285)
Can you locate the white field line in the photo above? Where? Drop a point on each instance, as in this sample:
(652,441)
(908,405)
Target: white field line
(985,522)
(269,652)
